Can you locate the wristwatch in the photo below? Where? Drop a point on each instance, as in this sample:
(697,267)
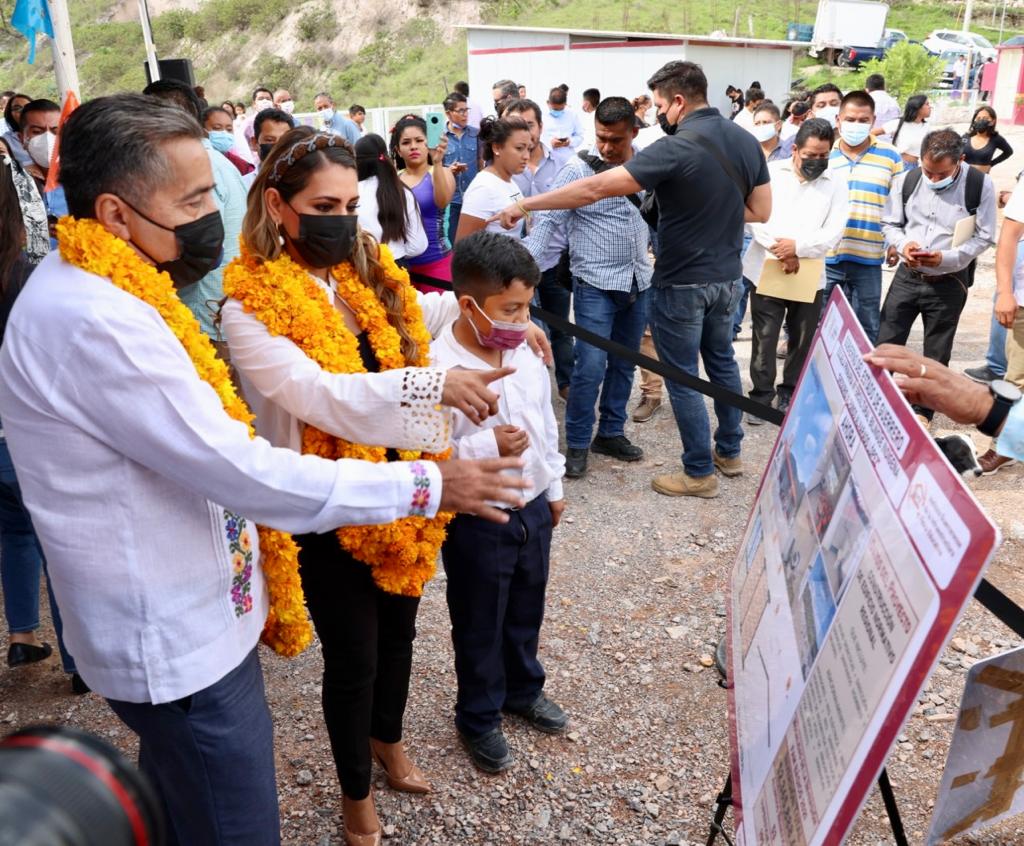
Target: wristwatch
(1005,395)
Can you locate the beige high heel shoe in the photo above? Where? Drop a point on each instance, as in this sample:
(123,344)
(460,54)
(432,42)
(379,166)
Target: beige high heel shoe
(353,839)
(413,782)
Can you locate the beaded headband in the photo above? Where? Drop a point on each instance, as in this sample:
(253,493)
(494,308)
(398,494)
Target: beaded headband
(299,149)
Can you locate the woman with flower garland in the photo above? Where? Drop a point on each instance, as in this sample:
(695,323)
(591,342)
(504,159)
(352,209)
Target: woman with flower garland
(136,459)
(314,300)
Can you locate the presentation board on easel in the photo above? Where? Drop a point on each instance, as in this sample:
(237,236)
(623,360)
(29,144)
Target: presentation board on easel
(862,549)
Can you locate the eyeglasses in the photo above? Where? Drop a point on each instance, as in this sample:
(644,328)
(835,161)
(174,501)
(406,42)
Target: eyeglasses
(459,111)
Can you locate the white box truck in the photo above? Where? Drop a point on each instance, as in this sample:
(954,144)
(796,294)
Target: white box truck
(847,23)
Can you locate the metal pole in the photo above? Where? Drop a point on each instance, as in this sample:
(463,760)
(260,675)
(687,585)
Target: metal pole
(63,50)
(1002,21)
(147,37)
(968,11)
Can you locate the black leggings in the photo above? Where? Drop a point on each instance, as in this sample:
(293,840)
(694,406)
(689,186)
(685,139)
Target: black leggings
(366,636)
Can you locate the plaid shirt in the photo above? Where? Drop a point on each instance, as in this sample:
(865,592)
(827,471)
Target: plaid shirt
(607,240)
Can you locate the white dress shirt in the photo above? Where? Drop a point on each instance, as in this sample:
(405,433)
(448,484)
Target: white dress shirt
(524,400)
(134,476)
(813,213)
(745,118)
(369,219)
(286,389)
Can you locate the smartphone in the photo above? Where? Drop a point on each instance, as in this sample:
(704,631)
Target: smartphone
(435,128)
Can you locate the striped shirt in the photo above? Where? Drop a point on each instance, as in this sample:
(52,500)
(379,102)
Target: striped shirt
(868,179)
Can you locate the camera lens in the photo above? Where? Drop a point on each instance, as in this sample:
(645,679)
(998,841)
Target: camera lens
(64,787)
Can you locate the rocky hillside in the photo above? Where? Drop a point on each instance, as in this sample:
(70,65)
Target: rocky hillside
(388,52)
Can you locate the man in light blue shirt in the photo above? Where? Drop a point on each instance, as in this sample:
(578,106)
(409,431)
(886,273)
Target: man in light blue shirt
(229,191)
(203,298)
(611,273)
(551,295)
(562,130)
(334,121)
(462,156)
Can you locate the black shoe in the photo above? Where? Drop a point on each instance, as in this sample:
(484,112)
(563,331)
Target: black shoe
(575,463)
(617,447)
(19,654)
(78,685)
(782,403)
(544,715)
(489,751)
(981,374)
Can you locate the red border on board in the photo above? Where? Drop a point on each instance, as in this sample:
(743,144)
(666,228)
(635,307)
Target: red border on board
(963,584)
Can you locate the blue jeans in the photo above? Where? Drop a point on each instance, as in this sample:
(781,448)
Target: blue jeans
(995,358)
(552,296)
(454,211)
(22,562)
(620,316)
(210,758)
(692,320)
(862,284)
(741,308)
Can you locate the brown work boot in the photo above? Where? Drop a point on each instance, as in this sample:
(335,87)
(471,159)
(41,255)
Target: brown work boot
(991,462)
(728,466)
(645,410)
(682,484)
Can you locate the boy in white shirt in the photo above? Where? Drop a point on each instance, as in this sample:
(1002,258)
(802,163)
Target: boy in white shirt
(497,574)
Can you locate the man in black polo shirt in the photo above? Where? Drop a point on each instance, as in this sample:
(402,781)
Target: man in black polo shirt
(709,176)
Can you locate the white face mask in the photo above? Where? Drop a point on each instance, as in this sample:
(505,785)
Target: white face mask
(288,106)
(262,104)
(829,113)
(40,148)
(763,131)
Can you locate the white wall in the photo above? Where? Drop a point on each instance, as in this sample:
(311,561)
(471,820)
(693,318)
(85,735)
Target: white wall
(616,70)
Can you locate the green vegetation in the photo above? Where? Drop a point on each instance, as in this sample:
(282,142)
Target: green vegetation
(232,44)
(907,68)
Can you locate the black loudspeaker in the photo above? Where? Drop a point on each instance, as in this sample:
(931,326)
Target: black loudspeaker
(179,69)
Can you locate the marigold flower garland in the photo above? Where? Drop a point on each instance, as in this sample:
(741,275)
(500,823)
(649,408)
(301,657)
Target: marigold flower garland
(290,303)
(87,245)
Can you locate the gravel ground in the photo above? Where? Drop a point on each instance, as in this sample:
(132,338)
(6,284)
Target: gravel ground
(636,604)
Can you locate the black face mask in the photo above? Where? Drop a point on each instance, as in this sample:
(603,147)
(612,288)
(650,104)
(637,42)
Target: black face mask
(666,127)
(982,125)
(813,168)
(325,240)
(200,245)
(265,150)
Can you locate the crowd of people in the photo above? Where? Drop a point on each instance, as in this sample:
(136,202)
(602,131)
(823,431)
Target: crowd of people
(252,369)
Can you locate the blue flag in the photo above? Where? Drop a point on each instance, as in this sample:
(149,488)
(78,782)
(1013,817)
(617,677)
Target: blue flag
(31,17)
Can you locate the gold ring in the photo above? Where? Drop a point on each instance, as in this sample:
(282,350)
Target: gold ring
(924,371)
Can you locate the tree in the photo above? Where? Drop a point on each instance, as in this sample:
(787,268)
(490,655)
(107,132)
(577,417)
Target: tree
(908,69)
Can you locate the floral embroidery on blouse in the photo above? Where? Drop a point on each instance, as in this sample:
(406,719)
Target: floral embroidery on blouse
(240,546)
(421,491)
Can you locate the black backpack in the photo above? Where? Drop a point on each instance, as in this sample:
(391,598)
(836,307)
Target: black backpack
(972,199)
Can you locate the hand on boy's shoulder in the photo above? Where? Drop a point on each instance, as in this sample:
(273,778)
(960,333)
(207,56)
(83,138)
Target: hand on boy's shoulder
(556,507)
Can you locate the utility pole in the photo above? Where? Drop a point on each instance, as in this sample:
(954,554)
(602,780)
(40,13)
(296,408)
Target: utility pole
(63,50)
(147,37)
(968,11)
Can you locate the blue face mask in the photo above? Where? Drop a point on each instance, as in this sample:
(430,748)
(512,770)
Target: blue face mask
(222,140)
(554,114)
(942,184)
(854,134)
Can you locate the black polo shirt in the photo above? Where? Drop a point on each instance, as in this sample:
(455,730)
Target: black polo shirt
(700,224)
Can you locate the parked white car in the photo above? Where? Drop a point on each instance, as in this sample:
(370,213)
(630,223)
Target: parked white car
(942,40)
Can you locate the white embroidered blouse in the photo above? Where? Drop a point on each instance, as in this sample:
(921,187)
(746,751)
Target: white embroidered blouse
(286,389)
